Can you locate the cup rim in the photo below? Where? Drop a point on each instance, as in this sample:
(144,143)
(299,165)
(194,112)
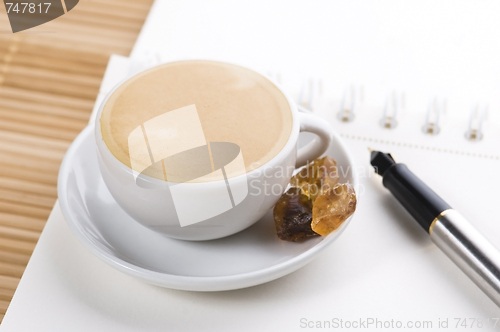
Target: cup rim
(287,148)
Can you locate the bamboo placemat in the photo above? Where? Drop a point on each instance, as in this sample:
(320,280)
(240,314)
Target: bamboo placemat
(49,79)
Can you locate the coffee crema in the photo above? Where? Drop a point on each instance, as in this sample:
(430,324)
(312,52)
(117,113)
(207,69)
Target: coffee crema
(234,104)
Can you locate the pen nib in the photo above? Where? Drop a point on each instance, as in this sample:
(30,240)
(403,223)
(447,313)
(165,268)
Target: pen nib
(381,161)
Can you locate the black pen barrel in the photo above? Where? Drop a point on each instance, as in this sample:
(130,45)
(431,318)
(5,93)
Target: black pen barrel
(416,197)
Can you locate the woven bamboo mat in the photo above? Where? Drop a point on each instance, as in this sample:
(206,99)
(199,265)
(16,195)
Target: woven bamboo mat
(49,79)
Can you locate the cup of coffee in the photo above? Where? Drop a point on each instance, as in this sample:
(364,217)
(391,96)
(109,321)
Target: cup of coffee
(198,149)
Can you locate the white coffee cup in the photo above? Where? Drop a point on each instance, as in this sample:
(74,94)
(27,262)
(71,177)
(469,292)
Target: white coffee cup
(159,205)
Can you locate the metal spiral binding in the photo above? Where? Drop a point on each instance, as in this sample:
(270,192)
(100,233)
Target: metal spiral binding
(477,117)
(350,101)
(395,103)
(432,120)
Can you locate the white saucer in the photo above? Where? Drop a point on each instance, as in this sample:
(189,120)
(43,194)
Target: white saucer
(251,257)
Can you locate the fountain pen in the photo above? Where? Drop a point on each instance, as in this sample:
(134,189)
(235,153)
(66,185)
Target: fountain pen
(447,228)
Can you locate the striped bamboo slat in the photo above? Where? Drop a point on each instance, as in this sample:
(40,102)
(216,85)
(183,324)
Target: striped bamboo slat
(49,79)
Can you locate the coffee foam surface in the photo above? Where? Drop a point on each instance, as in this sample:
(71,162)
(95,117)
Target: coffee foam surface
(233,104)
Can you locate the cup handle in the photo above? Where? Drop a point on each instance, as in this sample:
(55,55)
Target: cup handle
(316,125)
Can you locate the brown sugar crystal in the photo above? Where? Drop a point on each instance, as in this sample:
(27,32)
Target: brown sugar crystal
(293,215)
(332,208)
(318,176)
